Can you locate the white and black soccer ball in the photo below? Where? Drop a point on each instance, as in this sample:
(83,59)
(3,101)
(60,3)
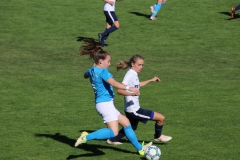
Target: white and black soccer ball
(153,153)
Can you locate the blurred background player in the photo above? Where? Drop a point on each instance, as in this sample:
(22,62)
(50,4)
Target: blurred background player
(132,108)
(156,8)
(234,9)
(111,19)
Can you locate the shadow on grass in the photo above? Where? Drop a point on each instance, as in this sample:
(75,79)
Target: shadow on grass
(80,38)
(125,140)
(229,15)
(93,148)
(141,14)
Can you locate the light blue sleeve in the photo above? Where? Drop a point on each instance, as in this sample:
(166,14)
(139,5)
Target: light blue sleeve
(105,75)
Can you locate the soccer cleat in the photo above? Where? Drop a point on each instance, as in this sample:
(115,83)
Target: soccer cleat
(232,12)
(152,9)
(153,18)
(100,38)
(113,143)
(163,139)
(144,148)
(81,139)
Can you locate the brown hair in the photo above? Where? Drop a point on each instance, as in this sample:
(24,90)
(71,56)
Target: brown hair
(93,49)
(126,64)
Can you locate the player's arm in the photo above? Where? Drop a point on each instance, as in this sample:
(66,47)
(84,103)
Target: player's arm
(125,93)
(118,85)
(154,79)
(85,75)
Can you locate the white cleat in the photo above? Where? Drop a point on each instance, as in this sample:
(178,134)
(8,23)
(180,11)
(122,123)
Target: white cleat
(144,148)
(113,143)
(152,9)
(163,139)
(153,18)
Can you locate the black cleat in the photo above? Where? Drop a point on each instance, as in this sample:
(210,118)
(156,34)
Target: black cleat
(100,38)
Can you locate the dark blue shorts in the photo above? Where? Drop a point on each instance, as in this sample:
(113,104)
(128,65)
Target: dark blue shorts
(110,17)
(141,115)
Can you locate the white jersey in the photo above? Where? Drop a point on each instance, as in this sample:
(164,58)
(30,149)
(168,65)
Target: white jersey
(131,103)
(109,7)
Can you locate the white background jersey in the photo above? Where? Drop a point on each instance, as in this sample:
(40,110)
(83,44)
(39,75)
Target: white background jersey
(131,103)
(109,7)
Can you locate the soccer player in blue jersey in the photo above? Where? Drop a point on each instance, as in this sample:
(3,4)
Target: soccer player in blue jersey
(111,19)
(132,108)
(234,9)
(102,82)
(156,8)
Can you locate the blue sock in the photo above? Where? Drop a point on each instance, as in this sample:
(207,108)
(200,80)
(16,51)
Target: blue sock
(120,135)
(158,130)
(157,8)
(237,8)
(103,133)
(132,137)
(163,3)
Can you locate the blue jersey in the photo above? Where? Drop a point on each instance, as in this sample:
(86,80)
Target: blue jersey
(98,77)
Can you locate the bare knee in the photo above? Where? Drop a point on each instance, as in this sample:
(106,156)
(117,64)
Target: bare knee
(123,121)
(160,121)
(159,118)
(117,24)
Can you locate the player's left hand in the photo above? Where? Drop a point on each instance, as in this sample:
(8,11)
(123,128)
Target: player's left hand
(156,79)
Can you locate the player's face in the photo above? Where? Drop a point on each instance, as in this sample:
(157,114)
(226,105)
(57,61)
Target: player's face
(137,67)
(106,62)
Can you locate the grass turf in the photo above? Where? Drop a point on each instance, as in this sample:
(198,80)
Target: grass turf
(193,47)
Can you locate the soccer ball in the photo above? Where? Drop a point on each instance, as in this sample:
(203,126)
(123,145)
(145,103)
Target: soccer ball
(153,153)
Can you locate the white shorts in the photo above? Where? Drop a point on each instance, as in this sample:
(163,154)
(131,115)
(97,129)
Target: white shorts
(108,111)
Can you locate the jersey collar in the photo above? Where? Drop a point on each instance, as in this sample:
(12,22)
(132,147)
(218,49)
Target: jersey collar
(134,72)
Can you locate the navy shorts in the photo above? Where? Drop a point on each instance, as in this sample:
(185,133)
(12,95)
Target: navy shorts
(110,17)
(141,115)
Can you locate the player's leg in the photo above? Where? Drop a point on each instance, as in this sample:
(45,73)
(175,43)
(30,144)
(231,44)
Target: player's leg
(111,19)
(141,115)
(155,9)
(234,9)
(164,2)
(110,117)
(121,134)
(152,7)
(102,133)
(105,37)
(237,7)
(158,136)
(131,135)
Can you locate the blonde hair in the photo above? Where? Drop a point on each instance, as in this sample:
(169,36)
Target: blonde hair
(128,64)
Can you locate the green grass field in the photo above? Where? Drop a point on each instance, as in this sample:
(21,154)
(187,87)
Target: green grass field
(45,101)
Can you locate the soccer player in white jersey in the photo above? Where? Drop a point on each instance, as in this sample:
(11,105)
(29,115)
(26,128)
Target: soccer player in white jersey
(102,82)
(111,19)
(132,107)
